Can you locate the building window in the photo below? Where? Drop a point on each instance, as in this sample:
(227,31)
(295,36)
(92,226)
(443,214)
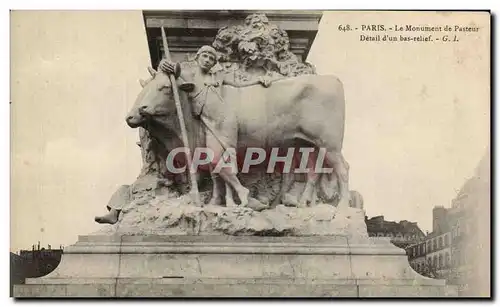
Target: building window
(434,261)
(446,240)
(447,260)
(428,246)
(434,247)
(423,246)
(441,264)
(440,243)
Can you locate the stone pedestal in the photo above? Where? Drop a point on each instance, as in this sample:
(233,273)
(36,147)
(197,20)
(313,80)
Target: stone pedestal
(232,266)
(188,30)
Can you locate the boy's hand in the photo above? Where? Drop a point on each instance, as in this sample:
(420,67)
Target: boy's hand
(167,66)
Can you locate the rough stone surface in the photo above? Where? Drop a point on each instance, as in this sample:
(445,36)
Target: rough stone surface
(169,215)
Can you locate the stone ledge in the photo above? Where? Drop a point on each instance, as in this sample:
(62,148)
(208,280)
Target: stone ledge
(311,245)
(183,280)
(230,290)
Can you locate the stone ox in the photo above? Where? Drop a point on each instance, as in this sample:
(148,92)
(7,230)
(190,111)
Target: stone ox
(307,109)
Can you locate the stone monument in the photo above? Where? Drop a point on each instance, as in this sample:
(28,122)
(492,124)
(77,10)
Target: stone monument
(260,228)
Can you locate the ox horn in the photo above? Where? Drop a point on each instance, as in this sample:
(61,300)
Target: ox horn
(142,82)
(152,72)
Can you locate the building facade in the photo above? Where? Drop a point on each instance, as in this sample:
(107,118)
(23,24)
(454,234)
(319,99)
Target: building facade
(458,248)
(33,263)
(401,233)
(431,256)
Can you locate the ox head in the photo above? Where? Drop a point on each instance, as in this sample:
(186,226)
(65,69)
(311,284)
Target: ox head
(156,99)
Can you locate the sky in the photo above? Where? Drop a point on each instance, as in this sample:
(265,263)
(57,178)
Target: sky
(417,115)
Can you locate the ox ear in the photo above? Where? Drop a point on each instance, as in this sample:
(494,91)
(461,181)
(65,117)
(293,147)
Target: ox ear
(186,86)
(142,82)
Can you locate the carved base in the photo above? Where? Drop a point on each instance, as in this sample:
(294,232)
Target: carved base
(167,215)
(229,266)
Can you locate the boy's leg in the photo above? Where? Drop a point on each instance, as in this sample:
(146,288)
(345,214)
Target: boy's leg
(120,198)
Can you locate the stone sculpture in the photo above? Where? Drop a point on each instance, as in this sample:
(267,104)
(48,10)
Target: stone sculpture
(247,90)
(300,232)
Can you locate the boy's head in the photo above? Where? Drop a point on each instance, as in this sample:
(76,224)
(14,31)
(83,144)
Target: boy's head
(206,57)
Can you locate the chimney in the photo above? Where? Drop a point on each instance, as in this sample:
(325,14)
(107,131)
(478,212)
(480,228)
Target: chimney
(439,220)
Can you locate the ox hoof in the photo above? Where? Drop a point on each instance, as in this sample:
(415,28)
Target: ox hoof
(305,201)
(215,201)
(231,203)
(256,205)
(263,199)
(290,200)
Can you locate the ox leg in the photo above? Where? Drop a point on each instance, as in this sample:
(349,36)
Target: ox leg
(287,180)
(216,199)
(314,195)
(341,168)
(307,197)
(287,198)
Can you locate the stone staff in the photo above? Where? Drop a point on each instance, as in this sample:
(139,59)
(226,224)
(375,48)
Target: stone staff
(192,176)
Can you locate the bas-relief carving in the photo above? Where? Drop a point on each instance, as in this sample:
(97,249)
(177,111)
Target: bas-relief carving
(258,47)
(252,69)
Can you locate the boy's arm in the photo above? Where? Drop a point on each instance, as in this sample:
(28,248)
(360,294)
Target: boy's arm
(239,84)
(259,80)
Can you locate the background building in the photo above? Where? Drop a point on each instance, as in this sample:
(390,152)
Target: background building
(458,247)
(33,263)
(432,256)
(402,234)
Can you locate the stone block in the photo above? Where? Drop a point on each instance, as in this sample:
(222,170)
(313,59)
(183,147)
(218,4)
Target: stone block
(225,266)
